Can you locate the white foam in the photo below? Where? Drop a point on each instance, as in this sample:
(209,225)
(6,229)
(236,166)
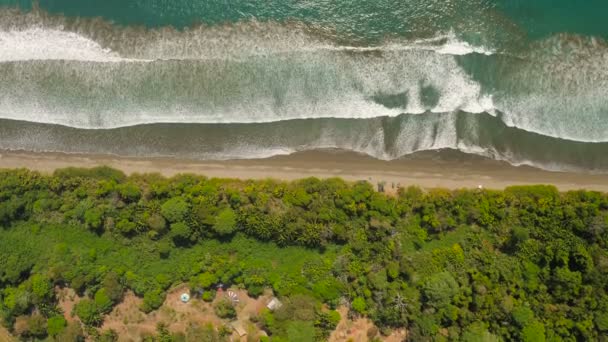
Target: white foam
(456,47)
(567,101)
(238,41)
(559,89)
(50,44)
(304,86)
(450,44)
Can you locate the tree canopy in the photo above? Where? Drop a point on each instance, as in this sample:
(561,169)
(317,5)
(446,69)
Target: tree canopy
(528,263)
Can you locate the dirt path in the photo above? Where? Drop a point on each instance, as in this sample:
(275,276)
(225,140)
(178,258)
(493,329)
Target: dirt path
(5,336)
(361,330)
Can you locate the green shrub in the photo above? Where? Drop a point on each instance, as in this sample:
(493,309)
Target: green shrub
(55,325)
(175,209)
(224,309)
(88,313)
(153,299)
(225,222)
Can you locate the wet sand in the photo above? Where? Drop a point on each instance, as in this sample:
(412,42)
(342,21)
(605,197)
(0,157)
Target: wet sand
(445,169)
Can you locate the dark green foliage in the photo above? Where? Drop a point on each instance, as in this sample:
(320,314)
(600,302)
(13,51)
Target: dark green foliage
(126,227)
(526,264)
(36,325)
(93,218)
(112,286)
(156,223)
(42,289)
(55,325)
(225,309)
(359,305)
(88,312)
(533,332)
(103,301)
(326,322)
(225,222)
(102,172)
(175,209)
(108,336)
(181,232)
(72,332)
(153,299)
(129,192)
(205,280)
(439,290)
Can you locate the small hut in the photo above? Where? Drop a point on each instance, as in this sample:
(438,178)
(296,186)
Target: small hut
(274,304)
(236,325)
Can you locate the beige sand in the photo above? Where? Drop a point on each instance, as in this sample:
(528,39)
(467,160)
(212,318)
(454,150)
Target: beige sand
(428,171)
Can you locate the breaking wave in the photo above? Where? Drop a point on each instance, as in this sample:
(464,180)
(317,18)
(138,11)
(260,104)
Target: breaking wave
(387,98)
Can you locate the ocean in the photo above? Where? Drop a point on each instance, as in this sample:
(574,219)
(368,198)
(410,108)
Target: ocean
(524,82)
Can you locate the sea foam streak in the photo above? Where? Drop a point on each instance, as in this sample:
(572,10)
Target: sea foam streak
(37,43)
(50,44)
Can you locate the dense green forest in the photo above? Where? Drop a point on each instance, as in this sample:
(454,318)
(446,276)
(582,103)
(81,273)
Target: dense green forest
(525,264)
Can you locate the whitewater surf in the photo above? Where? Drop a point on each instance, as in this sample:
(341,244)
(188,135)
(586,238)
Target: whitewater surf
(281,77)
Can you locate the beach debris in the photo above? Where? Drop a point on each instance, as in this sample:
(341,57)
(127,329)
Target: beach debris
(274,304)
(480,187)
(381,186)
(185,297)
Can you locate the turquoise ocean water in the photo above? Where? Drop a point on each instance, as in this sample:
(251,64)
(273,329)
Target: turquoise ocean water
(520,81)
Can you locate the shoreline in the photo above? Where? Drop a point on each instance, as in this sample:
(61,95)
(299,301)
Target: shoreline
(430,169)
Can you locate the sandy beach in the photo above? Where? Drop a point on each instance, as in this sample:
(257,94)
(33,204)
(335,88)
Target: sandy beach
(428,170)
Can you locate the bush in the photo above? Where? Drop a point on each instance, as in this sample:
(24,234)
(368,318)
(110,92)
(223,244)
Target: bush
(225,309)
(157,223)
(55,325)
(36,325)
(108,336)
(93,218)
(225,222)
(103,301)
(181,232)
(129,192)
(153,300)
(205,280)
(126,227)
(101,172)
(112,286)
(175,209)
(440,289)
(88,313)
(359,305)
(42,289)
(208,296)
(533,332)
